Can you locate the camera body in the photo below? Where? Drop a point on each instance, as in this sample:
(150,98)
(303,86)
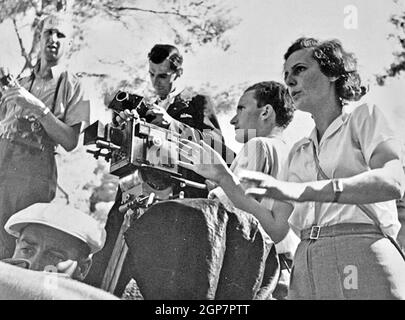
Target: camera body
(124,100)
(134,144)
(143,155)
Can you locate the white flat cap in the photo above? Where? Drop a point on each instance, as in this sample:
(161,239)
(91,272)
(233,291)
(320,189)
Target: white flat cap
(61,217)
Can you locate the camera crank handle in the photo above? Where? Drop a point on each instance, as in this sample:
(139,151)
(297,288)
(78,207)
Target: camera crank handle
(190,183)
(151,199)
(106,145)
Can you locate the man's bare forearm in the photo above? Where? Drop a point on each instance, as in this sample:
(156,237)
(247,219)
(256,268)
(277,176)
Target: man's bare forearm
(60,132)
(273,222)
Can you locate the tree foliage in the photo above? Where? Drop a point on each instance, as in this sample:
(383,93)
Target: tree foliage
(192,22)
(398,65)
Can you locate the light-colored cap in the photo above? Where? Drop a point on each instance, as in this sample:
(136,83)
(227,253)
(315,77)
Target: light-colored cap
(60,22)
(61,217)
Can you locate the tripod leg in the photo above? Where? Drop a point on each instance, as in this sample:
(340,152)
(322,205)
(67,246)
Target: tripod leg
(118,255)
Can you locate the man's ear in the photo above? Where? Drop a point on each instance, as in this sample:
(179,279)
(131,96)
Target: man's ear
(83,268)
(267,112)
(179,72)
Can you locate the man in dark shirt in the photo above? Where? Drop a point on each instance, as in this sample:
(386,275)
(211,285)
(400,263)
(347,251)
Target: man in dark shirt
(192,116)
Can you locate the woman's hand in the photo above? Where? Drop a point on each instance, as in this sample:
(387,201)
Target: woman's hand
(262,185)
(203,159)
(211,185)
(258,184)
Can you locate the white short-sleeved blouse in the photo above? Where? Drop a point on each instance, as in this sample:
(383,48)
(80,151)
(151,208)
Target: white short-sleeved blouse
(344,151)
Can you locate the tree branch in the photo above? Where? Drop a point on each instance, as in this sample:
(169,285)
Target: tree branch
(88,74)
(176,13)
(23,51)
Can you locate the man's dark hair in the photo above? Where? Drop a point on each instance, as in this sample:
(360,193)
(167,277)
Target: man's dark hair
(274,94)
(334,61)
(161,52)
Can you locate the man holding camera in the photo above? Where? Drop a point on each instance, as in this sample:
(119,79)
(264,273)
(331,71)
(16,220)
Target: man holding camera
(175,108)
(191,116)
(37,113)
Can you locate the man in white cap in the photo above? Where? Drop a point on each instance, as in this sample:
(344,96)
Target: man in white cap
(38,112)
(55,237)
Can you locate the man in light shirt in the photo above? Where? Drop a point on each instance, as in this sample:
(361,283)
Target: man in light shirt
(38,113)
(261,117)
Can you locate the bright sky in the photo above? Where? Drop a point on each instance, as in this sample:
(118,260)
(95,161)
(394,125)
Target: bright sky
(269,27)
(258,43)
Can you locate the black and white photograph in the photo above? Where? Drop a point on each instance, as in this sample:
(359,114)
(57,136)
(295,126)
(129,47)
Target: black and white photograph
(202,155)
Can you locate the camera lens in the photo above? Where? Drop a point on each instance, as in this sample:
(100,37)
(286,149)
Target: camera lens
(121,96)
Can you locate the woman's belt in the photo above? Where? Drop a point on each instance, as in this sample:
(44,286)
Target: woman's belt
(316,232)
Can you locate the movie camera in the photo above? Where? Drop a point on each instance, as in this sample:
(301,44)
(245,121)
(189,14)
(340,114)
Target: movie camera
(143,156)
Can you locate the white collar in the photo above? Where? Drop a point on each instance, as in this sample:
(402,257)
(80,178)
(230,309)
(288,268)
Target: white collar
(165,103)
(334,126)
(56,71)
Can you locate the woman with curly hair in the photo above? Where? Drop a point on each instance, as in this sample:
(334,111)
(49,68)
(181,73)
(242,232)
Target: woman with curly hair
(342,182)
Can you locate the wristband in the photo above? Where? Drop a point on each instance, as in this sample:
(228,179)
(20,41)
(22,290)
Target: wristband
(44,113)
(337,187)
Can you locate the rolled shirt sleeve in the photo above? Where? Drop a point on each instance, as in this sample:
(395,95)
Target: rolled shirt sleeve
(372,128)
(78,110)
(72,105)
